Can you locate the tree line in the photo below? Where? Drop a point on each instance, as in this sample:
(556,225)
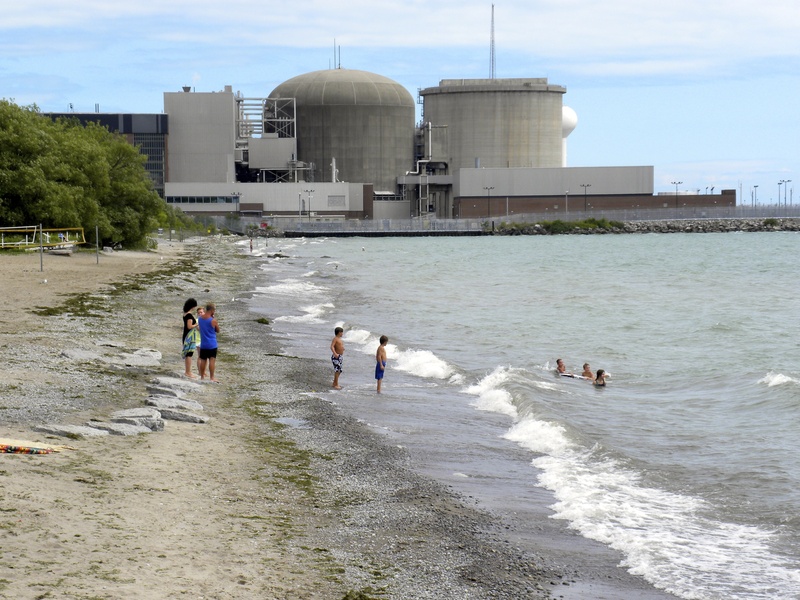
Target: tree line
(59,173)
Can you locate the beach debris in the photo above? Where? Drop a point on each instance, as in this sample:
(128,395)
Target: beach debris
(8,446)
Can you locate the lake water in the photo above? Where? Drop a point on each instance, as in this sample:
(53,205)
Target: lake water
(687,462)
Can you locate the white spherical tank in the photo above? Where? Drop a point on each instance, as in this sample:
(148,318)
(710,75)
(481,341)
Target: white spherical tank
(569,121)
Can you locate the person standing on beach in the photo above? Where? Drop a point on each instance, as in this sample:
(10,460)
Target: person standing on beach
(209,328)
(337,355)
(189,341)
(380,361)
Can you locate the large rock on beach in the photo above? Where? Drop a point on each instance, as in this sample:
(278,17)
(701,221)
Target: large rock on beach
(185,385)
(179,415)
(119,428)
(161,390)
(146,417)
(70,430)
(164,402)
(79,354)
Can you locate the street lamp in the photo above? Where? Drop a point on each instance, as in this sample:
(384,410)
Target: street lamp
(755,198)
(780,183)
(566,202)
(785,187)
(676,184)
(309,192)
(488,189)
(585,187)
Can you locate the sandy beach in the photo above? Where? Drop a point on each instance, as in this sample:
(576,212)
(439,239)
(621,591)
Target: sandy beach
(279,495)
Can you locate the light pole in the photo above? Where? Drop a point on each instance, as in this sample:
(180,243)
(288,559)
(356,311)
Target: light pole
(566,202)
(488,189)
(785,187)
(780,183)
(755,197)
(309,192)
(676,184)
(585,187)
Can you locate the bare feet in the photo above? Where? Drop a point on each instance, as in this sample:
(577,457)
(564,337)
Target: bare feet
(336,387)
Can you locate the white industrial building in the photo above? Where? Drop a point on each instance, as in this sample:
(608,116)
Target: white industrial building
(343,144)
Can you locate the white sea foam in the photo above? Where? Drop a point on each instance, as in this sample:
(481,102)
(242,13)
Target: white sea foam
(361,337)
(291,287)
(491,395)
(664,536)
(422,363)
(772,379)
(313,314)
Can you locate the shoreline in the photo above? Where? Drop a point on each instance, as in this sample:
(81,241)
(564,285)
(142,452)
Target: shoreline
(301,499)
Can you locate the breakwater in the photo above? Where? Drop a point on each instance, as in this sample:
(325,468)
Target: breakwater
(656,226)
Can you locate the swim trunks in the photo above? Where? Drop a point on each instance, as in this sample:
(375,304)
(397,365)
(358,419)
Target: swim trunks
(337,362)
(380,371)
(206,353)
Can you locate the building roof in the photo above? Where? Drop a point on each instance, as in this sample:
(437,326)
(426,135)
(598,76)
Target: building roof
(343,87)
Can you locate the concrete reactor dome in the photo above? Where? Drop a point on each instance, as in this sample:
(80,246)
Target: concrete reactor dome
(352,125)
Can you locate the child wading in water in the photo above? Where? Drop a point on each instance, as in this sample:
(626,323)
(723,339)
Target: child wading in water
(380,361)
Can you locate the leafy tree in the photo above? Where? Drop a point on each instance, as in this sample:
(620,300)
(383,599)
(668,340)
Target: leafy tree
(62,174)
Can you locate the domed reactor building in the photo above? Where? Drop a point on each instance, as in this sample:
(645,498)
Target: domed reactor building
(352,126)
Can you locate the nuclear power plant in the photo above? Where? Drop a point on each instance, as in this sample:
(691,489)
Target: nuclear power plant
(342,144)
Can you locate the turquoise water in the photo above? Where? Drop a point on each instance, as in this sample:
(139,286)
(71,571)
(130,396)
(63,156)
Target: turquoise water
(687,462)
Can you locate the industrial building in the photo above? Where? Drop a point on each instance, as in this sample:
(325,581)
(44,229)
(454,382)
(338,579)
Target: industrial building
(343,144)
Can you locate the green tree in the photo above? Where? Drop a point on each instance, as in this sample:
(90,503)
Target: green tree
(62,174)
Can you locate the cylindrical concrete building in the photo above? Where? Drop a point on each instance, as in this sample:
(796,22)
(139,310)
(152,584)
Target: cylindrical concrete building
(498,122)
(360,122)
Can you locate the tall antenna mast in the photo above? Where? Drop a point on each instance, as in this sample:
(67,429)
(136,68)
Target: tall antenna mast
(492,63)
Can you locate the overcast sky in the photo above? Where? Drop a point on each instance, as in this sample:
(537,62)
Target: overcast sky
(707,92)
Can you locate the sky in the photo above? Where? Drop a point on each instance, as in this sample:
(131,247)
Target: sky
(706,92)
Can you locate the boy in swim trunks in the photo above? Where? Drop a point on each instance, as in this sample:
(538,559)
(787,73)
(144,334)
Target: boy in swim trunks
(337,355)
(380,361)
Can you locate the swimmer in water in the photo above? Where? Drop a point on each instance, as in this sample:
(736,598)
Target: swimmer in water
(600,379)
